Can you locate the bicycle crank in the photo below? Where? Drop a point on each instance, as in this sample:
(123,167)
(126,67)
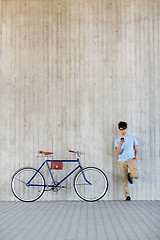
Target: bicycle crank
(56,188)
(53,187)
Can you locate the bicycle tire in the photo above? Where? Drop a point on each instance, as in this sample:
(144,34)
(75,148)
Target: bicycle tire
(19,184)
(94,191)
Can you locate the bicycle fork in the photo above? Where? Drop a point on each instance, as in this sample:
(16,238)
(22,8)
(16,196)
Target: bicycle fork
(81,169)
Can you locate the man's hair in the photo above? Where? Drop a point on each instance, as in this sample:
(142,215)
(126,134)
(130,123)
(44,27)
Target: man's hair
(122,125)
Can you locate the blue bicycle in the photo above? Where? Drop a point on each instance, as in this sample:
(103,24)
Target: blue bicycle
(28,184)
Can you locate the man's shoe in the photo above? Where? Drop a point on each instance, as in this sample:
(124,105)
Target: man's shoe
(130,180)
(128,198)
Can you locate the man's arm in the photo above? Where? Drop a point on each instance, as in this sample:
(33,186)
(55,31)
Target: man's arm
(119,148)
(136,152)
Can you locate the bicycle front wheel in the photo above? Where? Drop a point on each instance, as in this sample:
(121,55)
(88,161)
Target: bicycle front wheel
(94,188)
(24,192)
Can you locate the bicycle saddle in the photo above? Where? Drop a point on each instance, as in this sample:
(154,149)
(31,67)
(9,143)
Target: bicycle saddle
(45,153)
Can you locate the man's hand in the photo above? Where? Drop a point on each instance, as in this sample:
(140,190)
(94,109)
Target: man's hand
(121,141)
(136,152)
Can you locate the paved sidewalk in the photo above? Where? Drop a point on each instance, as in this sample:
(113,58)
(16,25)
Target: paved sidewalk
(78,220)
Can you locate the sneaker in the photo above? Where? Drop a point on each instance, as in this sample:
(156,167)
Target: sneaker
(130,180)
(128,198)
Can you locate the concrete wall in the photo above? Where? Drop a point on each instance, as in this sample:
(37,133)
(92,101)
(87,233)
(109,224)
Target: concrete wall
(70,71)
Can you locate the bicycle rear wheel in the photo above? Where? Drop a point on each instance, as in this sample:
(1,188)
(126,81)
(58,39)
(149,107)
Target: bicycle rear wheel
(98,184)
(20,188)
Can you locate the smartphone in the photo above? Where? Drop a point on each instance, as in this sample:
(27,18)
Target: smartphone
(122,139)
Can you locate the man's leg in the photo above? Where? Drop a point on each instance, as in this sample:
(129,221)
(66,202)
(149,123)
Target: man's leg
(124,173)
(132,165)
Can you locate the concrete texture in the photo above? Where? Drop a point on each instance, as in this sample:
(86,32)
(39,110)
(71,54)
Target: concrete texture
(70,70)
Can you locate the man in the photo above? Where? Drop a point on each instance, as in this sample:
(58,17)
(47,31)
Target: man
(127,150)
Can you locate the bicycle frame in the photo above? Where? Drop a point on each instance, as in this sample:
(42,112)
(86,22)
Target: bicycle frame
(57,184)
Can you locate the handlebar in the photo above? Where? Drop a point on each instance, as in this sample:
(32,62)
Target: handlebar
(77,152)
(72,151)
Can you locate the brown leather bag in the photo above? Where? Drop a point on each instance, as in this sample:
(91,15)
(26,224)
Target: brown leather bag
(57,165)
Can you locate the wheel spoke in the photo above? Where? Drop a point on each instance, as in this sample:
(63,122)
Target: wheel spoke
(20,180)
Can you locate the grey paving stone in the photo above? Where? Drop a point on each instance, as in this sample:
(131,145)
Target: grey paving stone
(78,220)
